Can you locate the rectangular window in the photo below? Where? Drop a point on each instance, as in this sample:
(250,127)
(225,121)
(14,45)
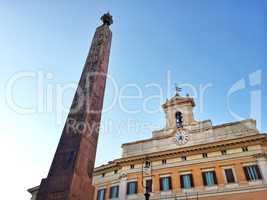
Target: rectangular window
(147,164)
(165,183)
(114,192)
(252,173)
(223,152)
(186,181)
(183,158)
(204,155)
(209,178)
(164,162)
(149,185)
(132,187)
(244,149)
(229,175)
(132,166)
(101,194)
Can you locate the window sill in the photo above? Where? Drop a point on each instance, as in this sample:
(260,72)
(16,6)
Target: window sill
(132,196)
(231,185)
(256,182)
(168,192)
(187,190)
(212,187)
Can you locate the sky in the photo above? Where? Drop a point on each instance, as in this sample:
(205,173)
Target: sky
(214,50)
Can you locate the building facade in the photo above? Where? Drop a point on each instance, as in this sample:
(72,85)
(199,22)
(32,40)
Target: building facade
(189,159)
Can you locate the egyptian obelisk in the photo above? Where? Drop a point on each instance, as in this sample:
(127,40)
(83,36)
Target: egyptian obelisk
(71,172)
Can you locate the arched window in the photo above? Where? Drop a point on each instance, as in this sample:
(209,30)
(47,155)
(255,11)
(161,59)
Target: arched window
(179,119)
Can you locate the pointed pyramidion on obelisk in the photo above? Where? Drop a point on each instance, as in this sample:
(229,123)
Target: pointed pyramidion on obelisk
(70,175)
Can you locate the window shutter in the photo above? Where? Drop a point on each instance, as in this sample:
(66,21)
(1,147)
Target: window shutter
(170,182)
(229,175)
(182,181)
(214,176)
(191,180)
(110,192)
(246,173)
(258,172)
(128,188)
(160,184)
(204,178)
(98,194)
(135,183)
(118,190)
(149,185)
(104,194)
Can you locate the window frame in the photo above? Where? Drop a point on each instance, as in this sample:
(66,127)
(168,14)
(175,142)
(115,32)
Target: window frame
(161,183)
(147,164)
(191,181)
(244,149)
(183,158)
(204,155)
(117,193)
(128,187)
(98,192)
(151,189)
(225,175)
(258,173)
(205,183)
(224,152)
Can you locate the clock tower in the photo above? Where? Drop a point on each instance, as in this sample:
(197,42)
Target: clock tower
(179,112)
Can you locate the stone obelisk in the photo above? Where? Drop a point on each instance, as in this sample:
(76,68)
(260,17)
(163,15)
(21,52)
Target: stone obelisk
(70,175)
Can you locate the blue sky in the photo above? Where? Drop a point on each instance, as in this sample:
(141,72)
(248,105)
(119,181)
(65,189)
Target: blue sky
(198,43)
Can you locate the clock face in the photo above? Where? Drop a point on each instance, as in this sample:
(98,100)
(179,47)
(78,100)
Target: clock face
(181,137)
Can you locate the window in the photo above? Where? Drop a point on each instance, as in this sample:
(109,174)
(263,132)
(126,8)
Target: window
(229,175)
(114,192)
(132,187)
(186,181)
(132,166)
(165,183)
(149,185)
(252,173)
(164,162)
(115,171)
(223,152)
(244,149)
(209,178)
(204,155)
(183,158)
(147,164)
(179,119)
(101,194)
(103,174)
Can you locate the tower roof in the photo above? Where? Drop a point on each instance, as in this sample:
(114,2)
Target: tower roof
(178,100)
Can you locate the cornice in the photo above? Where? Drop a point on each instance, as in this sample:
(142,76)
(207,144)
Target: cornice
(252,139)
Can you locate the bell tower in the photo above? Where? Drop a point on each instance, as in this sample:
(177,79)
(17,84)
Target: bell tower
(179,111)
(70,175)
